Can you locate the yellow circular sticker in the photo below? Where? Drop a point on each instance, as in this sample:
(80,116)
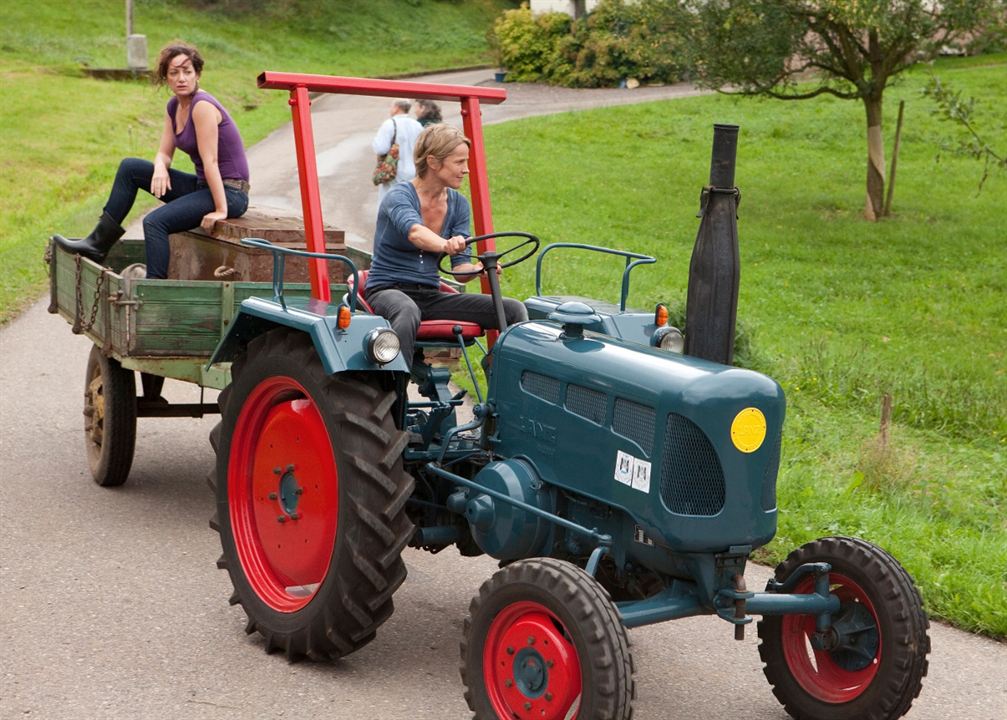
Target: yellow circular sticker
(748,430)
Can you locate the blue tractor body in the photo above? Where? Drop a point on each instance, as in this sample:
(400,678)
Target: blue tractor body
(642,432)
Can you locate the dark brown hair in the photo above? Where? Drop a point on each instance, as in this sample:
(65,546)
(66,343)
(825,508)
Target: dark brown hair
(173,50)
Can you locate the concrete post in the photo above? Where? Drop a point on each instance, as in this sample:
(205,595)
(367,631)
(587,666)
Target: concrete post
(136,52)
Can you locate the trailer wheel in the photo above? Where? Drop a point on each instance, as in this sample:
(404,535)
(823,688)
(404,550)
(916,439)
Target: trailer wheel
(310,499)
(109,418)
(543,640)
(876,670)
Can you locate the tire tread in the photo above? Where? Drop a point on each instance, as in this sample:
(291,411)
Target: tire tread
(373,526)
(904,666)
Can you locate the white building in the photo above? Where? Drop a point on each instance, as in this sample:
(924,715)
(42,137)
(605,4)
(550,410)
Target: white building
(573,8)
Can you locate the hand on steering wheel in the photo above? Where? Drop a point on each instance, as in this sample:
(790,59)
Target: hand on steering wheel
(493,258)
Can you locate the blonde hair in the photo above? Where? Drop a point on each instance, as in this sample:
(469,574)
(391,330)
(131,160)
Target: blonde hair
(438,141)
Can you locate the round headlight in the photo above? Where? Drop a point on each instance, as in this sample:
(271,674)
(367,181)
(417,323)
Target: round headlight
(669,338)
(382,345)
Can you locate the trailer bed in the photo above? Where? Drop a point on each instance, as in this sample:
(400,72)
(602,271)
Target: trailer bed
(161,327)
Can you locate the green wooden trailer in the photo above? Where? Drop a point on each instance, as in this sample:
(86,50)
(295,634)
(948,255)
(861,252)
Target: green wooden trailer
(158,328)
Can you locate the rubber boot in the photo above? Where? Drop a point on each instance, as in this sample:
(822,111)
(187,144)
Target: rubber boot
(96,245)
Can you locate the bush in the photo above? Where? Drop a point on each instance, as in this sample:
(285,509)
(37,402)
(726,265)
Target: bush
(645,40)
(526,43)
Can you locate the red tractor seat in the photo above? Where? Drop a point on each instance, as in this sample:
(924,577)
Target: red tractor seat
(429,330)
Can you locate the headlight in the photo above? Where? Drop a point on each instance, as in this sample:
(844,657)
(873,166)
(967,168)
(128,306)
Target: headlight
(668,338)
(382,345)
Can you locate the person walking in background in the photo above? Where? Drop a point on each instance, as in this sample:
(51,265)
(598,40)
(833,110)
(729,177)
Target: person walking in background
(399,129)
(198,124)
(428,112)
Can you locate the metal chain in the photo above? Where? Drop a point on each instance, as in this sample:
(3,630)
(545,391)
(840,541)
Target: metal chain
(82,328)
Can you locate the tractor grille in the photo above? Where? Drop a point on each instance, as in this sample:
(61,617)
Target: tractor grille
(636,422)
(587,403)
(769,476)
(692,481)
(541,386)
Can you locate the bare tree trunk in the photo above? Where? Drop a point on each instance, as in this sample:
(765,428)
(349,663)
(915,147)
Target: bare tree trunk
(874,207)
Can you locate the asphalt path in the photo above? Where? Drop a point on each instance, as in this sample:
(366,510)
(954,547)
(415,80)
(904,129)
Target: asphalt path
(111,605)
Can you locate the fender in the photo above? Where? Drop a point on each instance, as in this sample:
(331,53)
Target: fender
(339,350)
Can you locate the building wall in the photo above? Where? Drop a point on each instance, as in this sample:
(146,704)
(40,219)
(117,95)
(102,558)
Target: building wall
(567,6)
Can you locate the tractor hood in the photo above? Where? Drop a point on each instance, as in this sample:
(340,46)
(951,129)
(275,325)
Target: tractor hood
(681,444)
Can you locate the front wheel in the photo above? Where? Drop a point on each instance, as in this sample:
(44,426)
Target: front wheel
(543,640)
(109,418)
(876,664)
(310,498)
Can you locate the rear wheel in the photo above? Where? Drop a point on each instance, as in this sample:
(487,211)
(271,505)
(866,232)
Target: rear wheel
(543,640)
(109,418)
(310,499)
(878,657)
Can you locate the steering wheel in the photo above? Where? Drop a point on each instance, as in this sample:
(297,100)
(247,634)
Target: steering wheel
(491,259)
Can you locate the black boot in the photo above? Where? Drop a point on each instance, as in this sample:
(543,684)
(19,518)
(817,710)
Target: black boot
(96,245)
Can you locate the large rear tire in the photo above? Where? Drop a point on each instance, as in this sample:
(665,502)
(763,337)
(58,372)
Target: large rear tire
(543,640)
(109,418)
(310,499)
(876,670)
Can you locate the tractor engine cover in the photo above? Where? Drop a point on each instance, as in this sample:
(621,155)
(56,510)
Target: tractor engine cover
(664,449)
(503,530)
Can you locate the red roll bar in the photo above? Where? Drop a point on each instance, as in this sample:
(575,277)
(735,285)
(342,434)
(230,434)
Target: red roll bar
(300,85)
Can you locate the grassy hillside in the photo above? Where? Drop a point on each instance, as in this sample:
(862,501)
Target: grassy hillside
(62,133)
(840,310)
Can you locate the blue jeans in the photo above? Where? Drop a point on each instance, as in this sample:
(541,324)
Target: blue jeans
(185,205)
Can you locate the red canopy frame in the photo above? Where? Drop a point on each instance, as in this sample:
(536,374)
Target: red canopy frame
(300,85)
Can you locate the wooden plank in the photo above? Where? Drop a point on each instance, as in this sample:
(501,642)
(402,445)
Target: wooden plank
(272,224)
(176,318)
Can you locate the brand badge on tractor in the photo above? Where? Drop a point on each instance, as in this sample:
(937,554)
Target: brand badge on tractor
(748,430)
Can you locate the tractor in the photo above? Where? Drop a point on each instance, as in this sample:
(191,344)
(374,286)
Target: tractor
(619,481)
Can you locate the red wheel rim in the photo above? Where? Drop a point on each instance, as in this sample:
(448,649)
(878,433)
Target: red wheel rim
(530,665)
(283,490)
(817,670)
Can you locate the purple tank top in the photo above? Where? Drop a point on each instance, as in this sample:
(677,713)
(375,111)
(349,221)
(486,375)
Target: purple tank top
(230,151)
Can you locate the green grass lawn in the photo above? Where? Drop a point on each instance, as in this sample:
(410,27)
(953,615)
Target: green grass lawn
(840,310)
(62,133)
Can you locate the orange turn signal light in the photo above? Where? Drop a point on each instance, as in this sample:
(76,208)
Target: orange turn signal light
(661,315)
(344,317)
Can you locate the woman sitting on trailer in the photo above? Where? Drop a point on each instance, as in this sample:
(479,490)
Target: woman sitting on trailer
(198,124)
(418,222)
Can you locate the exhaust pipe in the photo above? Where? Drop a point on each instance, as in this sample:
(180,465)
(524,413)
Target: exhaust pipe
(714,271)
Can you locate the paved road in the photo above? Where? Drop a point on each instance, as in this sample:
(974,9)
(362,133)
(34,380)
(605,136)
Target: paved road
(111,606)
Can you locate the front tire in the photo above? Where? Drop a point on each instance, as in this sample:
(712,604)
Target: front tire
(543,640)
(109,418)
(310,499)
(877,672)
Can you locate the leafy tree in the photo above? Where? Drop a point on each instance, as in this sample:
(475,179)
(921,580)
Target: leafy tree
(951,106)
(852,49)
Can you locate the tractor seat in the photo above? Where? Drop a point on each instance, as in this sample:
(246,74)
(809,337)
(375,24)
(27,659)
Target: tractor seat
(430,331)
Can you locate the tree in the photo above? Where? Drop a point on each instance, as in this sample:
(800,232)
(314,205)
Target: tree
(852,49)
